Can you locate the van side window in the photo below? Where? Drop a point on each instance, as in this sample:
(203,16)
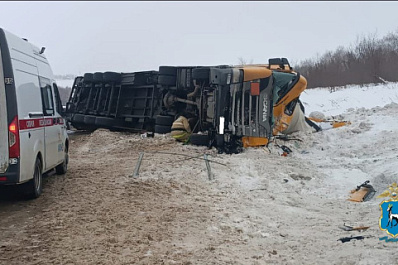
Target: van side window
(58,101)
(47,96)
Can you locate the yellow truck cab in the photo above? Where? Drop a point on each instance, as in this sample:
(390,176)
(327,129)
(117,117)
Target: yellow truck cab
(238,106)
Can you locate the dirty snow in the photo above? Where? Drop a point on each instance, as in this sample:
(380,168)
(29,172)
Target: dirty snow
(260,208)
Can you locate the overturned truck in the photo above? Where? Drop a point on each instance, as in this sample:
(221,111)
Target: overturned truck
(233,106)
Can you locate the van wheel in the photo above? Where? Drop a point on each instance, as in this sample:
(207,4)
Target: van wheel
(62,168)
(34,187)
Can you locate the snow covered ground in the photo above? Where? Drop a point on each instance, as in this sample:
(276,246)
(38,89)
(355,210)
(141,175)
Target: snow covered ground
(298,202)
(366,149)
(352,97)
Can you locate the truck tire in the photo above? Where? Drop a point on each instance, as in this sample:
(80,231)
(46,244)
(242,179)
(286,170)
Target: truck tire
(78,118)
(162,129)
(62,168)
(89,119)
(34,187)
(106,122)
(168,70)
(201,73)
(199,139)
(98,77)
(88,78)
(164,120)
(83,127)
(77,125)
(167,80)
(142,79)
(112,77)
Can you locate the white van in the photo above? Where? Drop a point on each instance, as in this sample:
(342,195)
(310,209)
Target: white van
(33,138)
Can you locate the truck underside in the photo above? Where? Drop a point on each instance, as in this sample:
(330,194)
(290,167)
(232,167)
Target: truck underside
(232,106)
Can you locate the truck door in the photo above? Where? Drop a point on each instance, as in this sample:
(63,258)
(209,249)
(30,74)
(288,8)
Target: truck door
(3,123)
(51,132)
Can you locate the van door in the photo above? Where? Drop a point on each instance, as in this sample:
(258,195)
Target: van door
(59,124)
(3,122)
(51,132)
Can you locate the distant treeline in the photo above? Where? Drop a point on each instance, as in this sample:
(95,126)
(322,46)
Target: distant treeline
(369,60)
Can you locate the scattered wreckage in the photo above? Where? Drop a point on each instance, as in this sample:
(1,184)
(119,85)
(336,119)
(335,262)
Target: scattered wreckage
(231,106)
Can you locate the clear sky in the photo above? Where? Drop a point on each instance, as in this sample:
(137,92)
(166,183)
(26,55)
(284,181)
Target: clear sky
(132,36)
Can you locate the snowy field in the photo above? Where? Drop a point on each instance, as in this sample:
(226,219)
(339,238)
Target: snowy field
(365,150)
(350,98)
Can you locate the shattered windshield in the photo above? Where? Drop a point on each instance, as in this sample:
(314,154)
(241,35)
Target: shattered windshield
(282,83)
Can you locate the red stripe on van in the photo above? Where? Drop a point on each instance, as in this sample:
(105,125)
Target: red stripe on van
(38,123)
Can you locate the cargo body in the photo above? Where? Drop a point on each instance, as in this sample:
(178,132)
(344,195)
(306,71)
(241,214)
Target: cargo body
(114,100)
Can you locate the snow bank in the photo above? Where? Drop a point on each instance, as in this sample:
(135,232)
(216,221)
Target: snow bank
(353,97)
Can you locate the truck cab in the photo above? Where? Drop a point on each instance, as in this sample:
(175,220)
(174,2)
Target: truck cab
(33,137)
(238,106)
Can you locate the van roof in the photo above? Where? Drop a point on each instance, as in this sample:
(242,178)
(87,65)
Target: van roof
(13,36)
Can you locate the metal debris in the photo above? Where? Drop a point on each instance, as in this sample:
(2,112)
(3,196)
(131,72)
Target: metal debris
(137,166)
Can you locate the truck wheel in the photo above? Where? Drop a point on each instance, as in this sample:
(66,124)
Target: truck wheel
(112,77)
(105,122)
(84,127)
(78,118)
(62,168)
(167,70)
(161,129)
(89,120)
(201,73)
(167,80)
(98,77)
(164,120)
(88,78)
(199,139)
(34,187)
(77,126)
